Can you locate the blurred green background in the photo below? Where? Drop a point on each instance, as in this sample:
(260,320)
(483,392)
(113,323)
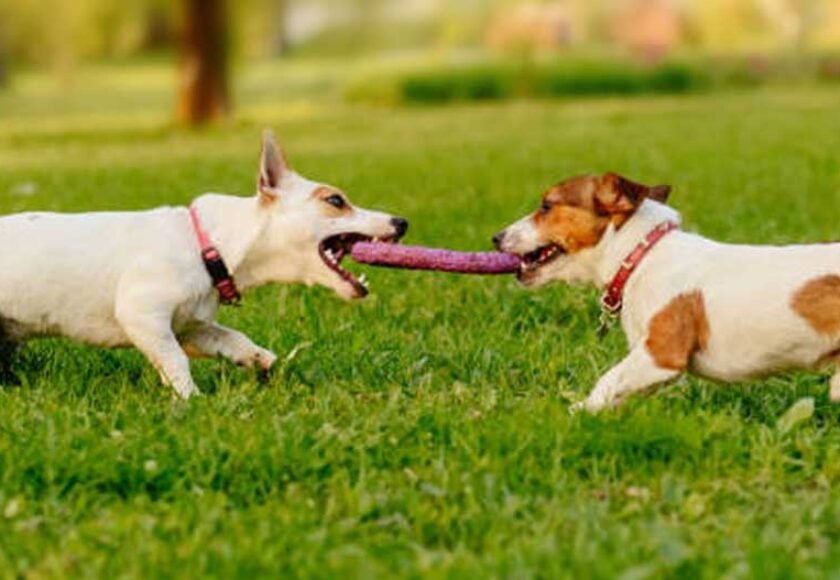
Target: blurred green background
(411,51)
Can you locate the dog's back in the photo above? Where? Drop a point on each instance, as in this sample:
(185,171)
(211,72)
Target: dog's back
(766,306)
(61,270)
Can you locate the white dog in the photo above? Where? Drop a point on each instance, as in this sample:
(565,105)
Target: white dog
(150,278)
(727,312)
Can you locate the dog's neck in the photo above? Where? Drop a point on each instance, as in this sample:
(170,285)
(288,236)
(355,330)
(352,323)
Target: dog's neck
(234,224)
(615,246)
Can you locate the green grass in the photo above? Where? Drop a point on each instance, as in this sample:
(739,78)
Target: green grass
(424,431)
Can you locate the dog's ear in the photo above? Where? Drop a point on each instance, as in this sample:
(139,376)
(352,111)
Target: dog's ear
(272,167)
(619,195)
(660,193)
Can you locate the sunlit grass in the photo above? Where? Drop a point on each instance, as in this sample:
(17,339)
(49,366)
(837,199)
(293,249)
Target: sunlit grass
(425,430)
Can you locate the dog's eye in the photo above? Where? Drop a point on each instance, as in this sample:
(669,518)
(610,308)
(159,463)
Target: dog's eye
(545,207)
(336,201)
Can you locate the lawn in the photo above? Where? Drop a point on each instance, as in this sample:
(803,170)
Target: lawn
(424,431)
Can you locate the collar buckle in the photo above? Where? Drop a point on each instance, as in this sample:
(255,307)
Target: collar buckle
(611,305)
(610,308)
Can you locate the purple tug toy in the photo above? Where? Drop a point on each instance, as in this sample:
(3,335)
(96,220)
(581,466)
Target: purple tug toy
(420,258)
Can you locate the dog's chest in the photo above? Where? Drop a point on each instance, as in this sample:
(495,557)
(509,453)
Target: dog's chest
(195,312)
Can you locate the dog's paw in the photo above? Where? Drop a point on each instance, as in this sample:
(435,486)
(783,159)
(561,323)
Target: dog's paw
(591,404)
(185,392)
(264,361)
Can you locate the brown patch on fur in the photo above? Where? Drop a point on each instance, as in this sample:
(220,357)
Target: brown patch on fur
(818,302)
(192,351)
(573,228)
(575,213)
(678,331)
(265,199)
(569,214)
(324,192)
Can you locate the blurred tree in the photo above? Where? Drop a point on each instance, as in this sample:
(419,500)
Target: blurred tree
(809,15)
(60,34)
(826,34)
(203,86)
(4,45)
(4,76)
(159,26)
(3,73)
(732,26)
(261,27)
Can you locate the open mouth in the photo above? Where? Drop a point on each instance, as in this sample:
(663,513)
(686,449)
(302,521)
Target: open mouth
(540,257)
(333,249)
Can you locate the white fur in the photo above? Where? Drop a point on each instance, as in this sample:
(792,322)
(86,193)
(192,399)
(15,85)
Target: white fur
(747,292)
(137,278)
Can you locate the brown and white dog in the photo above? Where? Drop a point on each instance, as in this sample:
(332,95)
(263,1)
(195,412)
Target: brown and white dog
(686,303)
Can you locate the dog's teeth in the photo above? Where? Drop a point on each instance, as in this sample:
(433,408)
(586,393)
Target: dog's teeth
(376,239)
(363,279)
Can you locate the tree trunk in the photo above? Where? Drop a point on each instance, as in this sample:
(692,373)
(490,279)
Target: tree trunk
(204,95)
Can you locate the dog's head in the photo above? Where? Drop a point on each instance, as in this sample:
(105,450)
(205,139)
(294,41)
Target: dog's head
(574,215)
(311,227)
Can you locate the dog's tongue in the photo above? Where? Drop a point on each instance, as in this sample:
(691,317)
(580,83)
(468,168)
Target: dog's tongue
(420,258)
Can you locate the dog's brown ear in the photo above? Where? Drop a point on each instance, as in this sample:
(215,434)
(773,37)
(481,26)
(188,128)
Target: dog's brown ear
(660,193)
(619,195)
(272,167)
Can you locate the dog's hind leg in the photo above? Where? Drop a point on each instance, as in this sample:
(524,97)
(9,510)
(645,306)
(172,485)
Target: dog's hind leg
(637,372)
(217,340)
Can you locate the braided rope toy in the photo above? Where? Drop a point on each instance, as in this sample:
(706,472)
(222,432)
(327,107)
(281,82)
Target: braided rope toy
(421,258)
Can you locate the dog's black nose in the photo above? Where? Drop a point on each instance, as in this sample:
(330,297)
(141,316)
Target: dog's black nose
(401,225)
(497,240)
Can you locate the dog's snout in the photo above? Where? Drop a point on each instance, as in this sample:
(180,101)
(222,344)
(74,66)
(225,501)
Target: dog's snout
(498,239)
(401,225)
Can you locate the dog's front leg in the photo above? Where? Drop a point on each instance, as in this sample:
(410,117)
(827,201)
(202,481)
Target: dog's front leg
(637,372)
(217,340)
(151,332)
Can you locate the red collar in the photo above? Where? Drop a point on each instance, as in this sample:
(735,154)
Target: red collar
(222,280)
(613,298)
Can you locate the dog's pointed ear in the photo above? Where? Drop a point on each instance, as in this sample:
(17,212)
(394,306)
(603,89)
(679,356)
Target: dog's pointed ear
(272,167)
(619,195)
(660,193)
